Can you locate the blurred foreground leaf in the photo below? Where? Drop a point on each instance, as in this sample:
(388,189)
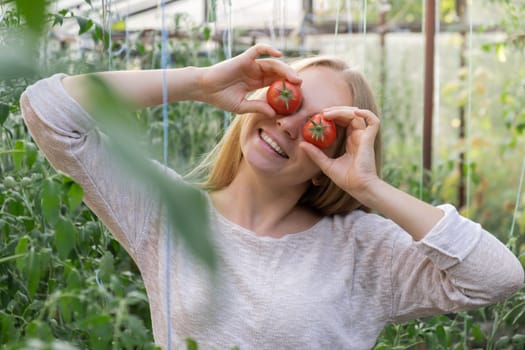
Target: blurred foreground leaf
(4,112)
(186,205)
(34,12)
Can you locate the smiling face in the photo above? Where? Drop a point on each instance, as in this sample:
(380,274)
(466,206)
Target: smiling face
(270,146)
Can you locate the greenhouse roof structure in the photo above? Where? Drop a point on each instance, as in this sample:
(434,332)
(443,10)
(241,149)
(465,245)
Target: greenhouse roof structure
(273,17)
(147,14)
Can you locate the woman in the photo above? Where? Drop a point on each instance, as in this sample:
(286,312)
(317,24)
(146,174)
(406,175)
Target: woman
(301,265)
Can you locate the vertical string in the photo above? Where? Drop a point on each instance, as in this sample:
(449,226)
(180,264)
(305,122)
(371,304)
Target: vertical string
(512,238)
(227,40)
(437,72)
(271,23)
(282,24)
(106,20)
(336,29)
(363,43)
(126,18)
(349,22)
(421,167)
(469,111)
(164,65)
(211,18)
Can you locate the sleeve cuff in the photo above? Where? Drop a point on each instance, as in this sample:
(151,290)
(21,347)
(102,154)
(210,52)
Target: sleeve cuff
(451,239)
(50,101)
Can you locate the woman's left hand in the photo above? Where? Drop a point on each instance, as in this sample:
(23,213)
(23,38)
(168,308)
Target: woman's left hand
(355,170)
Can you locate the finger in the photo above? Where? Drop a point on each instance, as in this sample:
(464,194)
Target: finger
(372,125)
(317,156)
(256,106)
(263,49)
(274,70)
(346,115)
(341,115)
(369,117)
(358,123)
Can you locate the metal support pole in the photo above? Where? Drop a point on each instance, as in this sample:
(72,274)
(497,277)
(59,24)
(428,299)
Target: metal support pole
(430,28)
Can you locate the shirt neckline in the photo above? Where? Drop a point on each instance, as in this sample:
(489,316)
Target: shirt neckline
(303,234)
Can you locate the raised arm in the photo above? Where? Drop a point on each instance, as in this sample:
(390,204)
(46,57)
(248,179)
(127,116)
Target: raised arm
(56,111)
(224,85)
(355,172)
(446,263)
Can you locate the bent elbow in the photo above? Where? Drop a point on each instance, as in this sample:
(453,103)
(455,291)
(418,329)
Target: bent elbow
(508,283)
(516,279)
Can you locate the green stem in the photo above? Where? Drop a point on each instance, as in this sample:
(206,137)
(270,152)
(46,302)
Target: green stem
(12,257)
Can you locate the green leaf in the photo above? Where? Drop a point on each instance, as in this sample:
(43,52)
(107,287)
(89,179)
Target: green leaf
(34,12)
(38,329)
(136,297)
(8,324)
(519,341)
(31,154)
(100,330)
(32,273)
(74,280)
(106,267)
(85,24)
(65,237)
(4,113)
(207,33)
(477,333)
(58,19)
(191,344)
(66,309)
(502,342)
(18,155)
(21,248)
(441,335)
(50,201)
(74,196)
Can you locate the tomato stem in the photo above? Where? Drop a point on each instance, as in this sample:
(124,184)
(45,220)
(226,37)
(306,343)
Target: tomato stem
(317,129)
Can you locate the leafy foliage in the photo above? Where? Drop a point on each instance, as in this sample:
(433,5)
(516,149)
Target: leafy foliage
(66,284)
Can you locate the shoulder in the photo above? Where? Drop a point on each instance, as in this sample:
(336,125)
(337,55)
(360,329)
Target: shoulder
(361,223)
(366,230)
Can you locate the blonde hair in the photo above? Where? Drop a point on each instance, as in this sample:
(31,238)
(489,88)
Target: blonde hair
(220,166)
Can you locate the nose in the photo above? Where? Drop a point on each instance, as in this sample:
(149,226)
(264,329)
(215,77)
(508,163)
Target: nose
(292,124)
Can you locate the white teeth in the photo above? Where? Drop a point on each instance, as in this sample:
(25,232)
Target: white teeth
(273,144)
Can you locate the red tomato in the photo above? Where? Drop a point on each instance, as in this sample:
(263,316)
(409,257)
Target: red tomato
(284,97)
(319,131)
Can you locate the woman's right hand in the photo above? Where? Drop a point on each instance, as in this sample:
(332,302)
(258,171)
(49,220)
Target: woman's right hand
(226,84)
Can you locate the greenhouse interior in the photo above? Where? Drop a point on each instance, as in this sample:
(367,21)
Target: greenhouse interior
(448,84)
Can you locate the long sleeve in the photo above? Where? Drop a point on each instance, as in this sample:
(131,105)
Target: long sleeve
(67,136)
(456,267)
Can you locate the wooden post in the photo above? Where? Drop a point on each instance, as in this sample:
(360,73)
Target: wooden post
(430,28)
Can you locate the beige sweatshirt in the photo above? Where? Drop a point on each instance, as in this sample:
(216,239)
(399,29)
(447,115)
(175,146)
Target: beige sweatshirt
(333,286)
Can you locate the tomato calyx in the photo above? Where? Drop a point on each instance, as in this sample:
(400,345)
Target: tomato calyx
(317,129)
(286,95)
(320,131)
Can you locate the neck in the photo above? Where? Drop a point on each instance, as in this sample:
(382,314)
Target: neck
(263,207)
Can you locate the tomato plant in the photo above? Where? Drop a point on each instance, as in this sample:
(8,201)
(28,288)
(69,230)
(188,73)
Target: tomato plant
(284,97)
(320,131)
